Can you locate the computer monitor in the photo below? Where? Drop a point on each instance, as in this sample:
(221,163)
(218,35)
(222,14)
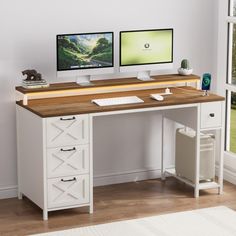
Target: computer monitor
(145,50)
(84,54)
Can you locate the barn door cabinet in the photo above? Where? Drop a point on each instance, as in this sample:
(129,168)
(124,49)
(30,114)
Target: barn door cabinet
(54,161)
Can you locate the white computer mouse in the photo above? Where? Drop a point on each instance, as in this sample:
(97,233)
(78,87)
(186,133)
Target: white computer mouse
(157,97)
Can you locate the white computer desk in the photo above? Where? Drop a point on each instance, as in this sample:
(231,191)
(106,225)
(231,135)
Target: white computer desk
(55,141)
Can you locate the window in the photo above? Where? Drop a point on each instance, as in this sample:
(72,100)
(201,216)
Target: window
(231,80)
(232,122)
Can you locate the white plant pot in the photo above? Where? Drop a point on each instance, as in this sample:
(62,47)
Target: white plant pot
(185,71)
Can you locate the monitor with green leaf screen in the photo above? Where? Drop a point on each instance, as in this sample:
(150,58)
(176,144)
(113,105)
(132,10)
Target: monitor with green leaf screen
(146,50)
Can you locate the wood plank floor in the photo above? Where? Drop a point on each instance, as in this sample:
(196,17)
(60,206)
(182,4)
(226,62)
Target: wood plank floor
(112,203)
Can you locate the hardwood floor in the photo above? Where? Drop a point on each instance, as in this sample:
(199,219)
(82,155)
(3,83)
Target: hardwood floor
(112,203)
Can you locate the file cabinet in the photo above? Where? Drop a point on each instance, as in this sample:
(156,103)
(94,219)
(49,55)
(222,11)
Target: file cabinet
(54,163)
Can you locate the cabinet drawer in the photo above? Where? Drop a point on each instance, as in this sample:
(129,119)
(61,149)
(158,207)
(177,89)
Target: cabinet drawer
(67,130)
(68,191)
(70,160)
(210,115)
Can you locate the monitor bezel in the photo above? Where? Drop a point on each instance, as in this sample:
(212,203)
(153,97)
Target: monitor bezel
(152,63)
(85,68)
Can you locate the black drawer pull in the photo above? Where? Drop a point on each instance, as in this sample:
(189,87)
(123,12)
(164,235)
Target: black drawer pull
(68,180)
(68,150)
(65,119)
(212,114)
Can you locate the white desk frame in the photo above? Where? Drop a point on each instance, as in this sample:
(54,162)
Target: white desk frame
(188,115)
(192,121)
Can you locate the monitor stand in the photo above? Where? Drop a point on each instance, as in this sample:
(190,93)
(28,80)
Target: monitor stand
(84,80)
(144,76)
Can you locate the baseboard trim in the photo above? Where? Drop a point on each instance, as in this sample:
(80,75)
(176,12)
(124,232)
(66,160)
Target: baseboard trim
(101,180)
(127,176)
(8,192)
(120,177)
(230,175)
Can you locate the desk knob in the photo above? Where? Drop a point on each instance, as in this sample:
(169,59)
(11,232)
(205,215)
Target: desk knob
(212,114)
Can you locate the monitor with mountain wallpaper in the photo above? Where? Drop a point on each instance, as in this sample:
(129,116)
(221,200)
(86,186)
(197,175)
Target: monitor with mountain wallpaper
(85,54)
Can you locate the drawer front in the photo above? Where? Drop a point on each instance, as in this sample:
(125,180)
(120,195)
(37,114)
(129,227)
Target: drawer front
(68,191)
(70,160)
(210,115)
(67,130)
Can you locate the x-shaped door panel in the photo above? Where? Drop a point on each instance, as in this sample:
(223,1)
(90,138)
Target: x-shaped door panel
(72,160)
(68,191)
(63,131)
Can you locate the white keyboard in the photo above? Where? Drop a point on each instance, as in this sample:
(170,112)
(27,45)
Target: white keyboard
(117,101)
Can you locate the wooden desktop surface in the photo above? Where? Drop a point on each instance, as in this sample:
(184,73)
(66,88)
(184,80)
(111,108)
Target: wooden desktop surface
(73,105)
(111,82)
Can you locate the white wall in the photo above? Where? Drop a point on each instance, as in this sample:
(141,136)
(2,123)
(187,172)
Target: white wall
(28,29)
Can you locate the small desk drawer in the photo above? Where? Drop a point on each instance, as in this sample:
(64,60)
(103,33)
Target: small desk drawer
(210,115)
(70,160)
(67,130)
(68,191)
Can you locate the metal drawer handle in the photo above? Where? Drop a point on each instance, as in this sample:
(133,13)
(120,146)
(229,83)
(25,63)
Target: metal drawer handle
(65,119)
(68,150)
(212,114)
(68,180)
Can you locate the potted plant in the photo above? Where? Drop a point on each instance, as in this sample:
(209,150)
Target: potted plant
(185,68)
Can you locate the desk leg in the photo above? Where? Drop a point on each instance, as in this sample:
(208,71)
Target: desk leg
(221,164)
(163,177)
(45,214)
(197,155)
(20,195)
(222,147)
(196,192)
(91,208)
(91,163)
